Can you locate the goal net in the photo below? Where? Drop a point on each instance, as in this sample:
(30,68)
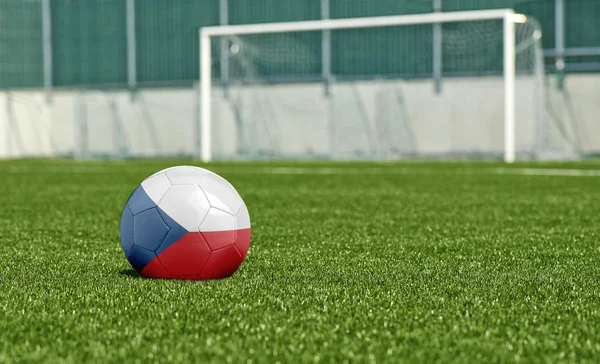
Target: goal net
(440,85)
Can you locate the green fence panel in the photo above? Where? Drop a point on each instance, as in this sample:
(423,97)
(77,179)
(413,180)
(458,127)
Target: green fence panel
(583,27)
(287,55)
(364,8)
(89,39)
(21,51)
(267,11)
(167,39)
(583,22)
(394,51)
(385,51)
(544,13)
(89,42)
(541,10)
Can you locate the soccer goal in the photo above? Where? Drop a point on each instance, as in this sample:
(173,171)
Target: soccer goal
(439,85)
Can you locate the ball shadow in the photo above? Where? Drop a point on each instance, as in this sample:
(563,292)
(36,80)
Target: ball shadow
(131,273)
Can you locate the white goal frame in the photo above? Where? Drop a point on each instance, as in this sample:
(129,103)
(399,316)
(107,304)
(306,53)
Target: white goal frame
(508,16)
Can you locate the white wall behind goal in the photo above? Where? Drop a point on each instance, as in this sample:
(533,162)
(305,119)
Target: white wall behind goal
(163,122)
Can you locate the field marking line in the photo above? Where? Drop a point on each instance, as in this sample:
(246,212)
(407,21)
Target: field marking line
(60,169)
(416,171)
(550,172)
(322,170)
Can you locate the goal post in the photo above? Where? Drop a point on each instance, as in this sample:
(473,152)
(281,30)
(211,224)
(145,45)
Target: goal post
(506,16)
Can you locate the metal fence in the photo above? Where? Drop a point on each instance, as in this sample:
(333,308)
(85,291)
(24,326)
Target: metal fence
(137,43)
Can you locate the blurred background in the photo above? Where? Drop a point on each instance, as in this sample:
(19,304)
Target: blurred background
(119,79)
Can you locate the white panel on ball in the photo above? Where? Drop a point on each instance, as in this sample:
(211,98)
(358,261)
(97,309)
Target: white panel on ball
(242,218)
(186,204)
(218,220)
(221,193)
(185,175)
(162,171)
(156,186)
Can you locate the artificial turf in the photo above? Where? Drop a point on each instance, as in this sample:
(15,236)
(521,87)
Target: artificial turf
(400,262)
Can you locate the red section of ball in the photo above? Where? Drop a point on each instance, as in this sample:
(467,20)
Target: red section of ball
(219,239)
(222,263)
(242,241)
(155,269)
(193,277)
(191,257)
(187,256)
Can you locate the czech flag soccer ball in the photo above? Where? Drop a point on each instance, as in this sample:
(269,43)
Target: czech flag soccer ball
(185,222)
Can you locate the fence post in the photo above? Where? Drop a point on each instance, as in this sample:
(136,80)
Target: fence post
(437,49)
(47,48)
(326,49)
(559,38)
(131,45)
(224,47)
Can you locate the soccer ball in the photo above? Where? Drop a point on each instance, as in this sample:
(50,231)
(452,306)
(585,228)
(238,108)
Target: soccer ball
(185,222)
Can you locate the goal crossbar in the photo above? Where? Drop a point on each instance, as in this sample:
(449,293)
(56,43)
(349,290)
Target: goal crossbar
(507,15)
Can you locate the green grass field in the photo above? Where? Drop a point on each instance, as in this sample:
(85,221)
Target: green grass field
(407,262)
